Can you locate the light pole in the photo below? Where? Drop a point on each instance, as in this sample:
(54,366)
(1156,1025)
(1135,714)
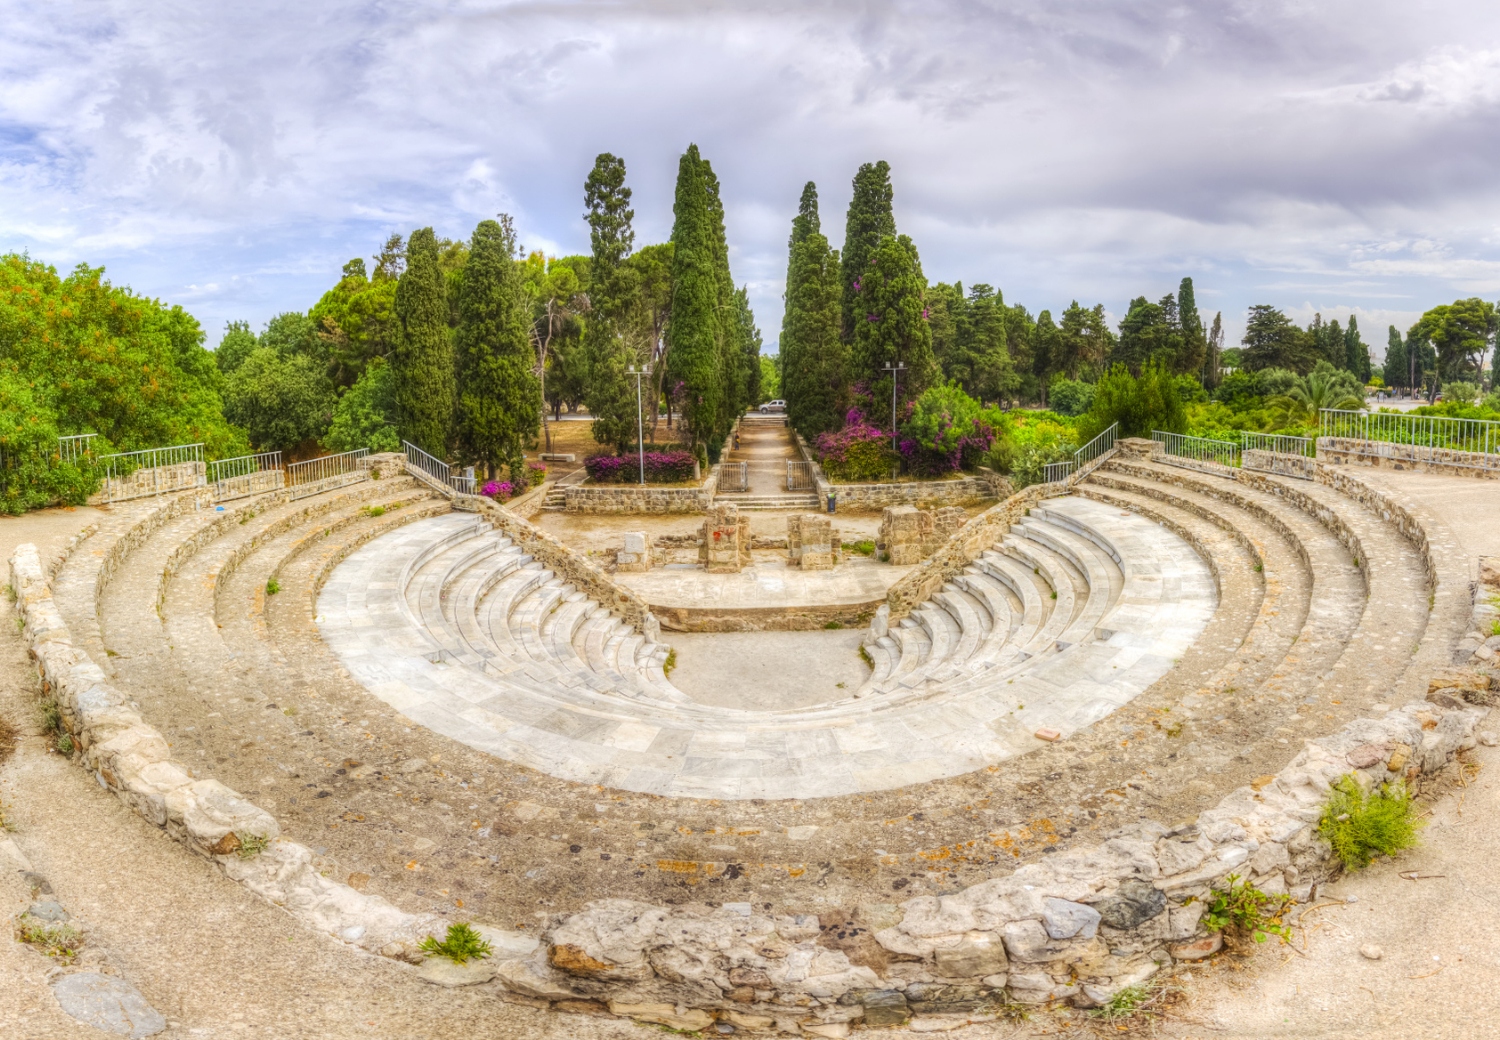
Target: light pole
(640,436)
(895,371)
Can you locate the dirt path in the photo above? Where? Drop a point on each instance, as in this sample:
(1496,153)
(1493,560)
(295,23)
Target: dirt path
(766,447)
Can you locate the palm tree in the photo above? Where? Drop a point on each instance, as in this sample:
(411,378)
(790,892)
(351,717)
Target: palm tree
(1316,391)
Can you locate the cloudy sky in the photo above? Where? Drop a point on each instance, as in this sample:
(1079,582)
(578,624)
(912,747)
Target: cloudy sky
(1339,157)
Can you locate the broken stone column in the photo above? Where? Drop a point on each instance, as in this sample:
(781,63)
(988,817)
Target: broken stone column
(724,540)
(812,536)
(905,532)
(636,556)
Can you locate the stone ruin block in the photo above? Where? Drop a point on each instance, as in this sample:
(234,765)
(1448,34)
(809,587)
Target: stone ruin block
(909,535)
(811,542)
(724,540)
(636,556)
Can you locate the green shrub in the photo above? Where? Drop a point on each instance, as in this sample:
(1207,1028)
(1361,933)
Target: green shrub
(462,944)
(1139,405)
(864,548)
(1070,396)
(1359,826)
(272,587)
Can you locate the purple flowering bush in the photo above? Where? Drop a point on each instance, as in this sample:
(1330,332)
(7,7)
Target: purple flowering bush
(859,453)
(499,490)
(662,467)
(536,473)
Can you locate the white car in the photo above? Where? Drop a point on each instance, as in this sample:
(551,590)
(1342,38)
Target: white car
(771,407)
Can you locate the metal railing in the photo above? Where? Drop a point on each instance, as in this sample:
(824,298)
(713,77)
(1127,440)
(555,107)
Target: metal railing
(1057,472)
(76,448)
(734,476)
(1199,449)
(1281,444)
(246,475)
(324,474)
(152,471)
(1481,436)
(435,470)
(799,476)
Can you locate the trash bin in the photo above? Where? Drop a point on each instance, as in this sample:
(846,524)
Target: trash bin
(833,499)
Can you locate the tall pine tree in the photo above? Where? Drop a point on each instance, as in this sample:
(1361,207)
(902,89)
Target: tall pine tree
(1397,364)
(499,394)
(609,392)
(694,334)
(892,324)
(869,220)
(422,362)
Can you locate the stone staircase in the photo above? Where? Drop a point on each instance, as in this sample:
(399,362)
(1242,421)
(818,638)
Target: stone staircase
(806,502)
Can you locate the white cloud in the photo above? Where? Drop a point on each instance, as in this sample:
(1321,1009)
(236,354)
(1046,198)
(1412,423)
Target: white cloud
(1336,153)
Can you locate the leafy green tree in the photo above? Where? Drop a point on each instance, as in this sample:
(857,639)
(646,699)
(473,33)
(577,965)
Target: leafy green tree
(1139,404)
(1395,371)
(1084,341)
(645,326)
(365,416)
(499,394)
(284,401)
(892,325)
(981,357)
(356,321)
(235,347)
(609,391)
(770,380)
(423,359)
(1149,332)
(1461,332)
(750,340)
(868,222)
(1272,341)
(1047,350)
(948,317)
(290,333)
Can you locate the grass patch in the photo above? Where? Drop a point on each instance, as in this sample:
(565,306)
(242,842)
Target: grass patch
(670,663)
(373,510)
(834,626)
(462,944)
(272,587)
(1495,627)
(1359,826)
(62,941)
(1137,1004)
(1242,909)
(864,655)
(1259,567)
(864,548)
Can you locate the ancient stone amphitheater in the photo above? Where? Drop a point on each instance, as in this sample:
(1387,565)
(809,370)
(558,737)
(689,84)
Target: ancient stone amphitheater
(389,707)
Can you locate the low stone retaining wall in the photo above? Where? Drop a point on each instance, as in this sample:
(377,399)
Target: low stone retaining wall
(926,493)
(805,618)
(606,499)
(1385,455)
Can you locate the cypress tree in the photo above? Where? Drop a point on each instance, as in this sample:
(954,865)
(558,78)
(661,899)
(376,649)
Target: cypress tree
(1213,354)
(814,374)
(805,223)
(609,393)
(1397,364)
(422,362)
(1356,353)
(892,326)
(693,332)
(1194,342)
(751,342)
(499,394)
(869,220)
(731,345)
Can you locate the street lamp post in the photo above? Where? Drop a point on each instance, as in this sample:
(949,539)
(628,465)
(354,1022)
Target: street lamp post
(640,434)
(895,371)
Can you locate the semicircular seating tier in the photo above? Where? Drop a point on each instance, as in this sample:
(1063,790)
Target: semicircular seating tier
(1080,608)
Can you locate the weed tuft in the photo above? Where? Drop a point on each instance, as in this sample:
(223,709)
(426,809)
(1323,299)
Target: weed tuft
(373,510)
(864,548)
(1358,826)
(670,663)
(864,655)
(834,626)
(251,845)
(64,743)
(1495,627)
(62,941)
(462,944)
(272,587)
(1243,909)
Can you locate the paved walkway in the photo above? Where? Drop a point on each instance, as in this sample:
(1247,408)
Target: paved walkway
(1470,506)
(765,583)
(765,446)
